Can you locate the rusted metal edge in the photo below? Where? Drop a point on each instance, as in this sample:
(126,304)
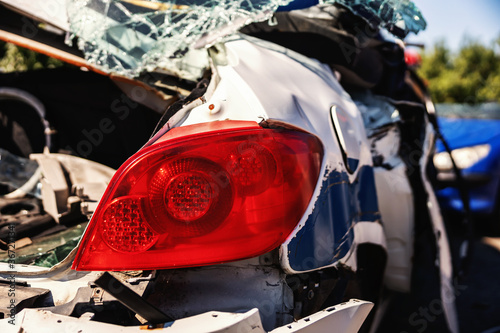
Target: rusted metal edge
(48,50)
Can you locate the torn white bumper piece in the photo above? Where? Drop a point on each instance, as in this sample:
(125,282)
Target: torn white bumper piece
(344,317)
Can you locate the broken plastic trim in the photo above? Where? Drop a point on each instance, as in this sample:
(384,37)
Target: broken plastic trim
(131,300)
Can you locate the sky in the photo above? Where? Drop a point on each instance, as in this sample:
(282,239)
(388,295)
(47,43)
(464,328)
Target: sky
(454,19)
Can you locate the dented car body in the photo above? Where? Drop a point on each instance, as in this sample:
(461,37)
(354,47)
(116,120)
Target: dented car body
(264,198)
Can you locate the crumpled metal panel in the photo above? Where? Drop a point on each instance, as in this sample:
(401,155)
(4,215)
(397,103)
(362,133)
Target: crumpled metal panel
(233,287)
(130,36)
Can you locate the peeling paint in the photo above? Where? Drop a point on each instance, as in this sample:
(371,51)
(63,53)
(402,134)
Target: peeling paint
(328,232)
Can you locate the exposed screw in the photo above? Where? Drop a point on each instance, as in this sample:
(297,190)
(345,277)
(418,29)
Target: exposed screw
(78,190)
(84,208)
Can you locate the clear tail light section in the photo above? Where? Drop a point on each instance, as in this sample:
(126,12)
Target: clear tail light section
(203,194)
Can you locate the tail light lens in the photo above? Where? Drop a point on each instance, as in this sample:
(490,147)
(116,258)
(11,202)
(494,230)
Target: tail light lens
(203,194)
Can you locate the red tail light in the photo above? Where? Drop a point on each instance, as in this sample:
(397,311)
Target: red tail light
(203,194)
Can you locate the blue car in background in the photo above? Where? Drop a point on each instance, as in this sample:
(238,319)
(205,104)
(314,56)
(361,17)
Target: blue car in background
(473,133)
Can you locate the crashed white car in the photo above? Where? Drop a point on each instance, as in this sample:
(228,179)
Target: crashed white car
(271,167)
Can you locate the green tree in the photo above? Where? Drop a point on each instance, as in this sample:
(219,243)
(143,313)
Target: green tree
(470,76)
(433,64)
(14,58)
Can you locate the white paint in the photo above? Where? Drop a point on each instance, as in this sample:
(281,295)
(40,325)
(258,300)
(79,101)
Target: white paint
(237,101)
(344,317)
(52,12)
(395,200)
(448,296)
(364,233)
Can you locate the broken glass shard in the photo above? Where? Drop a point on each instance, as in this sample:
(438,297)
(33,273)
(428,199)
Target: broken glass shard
(15,171)
(130,36)
(398,16)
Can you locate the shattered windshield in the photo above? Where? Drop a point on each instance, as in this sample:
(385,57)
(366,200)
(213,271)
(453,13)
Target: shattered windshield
(128,37)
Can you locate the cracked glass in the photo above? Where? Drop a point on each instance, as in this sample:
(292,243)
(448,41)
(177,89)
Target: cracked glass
(130,36)
(398,16)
